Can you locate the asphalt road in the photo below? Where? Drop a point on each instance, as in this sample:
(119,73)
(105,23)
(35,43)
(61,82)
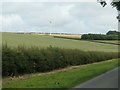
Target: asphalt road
(106,80)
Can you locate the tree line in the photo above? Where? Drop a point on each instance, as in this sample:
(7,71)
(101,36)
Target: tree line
(110,35)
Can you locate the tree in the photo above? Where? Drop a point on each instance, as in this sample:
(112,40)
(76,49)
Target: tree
(113,33)
(114,3)
(102,2)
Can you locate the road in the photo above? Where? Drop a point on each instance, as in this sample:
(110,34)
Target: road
(106,80)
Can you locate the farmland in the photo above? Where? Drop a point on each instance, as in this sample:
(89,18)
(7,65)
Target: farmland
(43,41)
(30,60)
(110,41)
(0,44)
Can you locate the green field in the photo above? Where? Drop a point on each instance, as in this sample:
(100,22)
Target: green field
(110,41)
(41,41)
(65,78)
(62,78)
(0,40)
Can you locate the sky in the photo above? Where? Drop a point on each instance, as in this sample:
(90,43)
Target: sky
(57,17)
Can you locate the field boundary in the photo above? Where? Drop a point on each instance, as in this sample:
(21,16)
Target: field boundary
(65,78)
(43,60)
(102,42)
(86,40)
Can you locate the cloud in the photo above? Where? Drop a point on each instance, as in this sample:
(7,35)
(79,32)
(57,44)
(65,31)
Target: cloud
(11,22)
(58,15)
(96,18)
(49,0)
(65,17)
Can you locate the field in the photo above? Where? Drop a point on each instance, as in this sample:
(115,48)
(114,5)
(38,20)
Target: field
(67,35)
(110,41)
(0,40)
(43,41)
(61,77)
(64,78)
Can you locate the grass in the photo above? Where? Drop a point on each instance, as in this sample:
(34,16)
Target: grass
(43,41)
(110,41)
(114,42)
(0,40)
(65,78)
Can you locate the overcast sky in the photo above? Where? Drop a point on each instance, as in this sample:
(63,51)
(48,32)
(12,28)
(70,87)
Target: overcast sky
(63,17)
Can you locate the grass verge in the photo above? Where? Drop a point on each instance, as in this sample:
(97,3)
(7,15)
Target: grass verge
(66,78)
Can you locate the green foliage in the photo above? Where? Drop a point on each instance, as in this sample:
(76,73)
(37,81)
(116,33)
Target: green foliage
(22,60)
(110,35)
(99,37)
(116,4)
(63,79)
(113,33)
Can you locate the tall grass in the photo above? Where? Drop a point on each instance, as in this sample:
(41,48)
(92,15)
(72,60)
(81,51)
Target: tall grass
(22,60)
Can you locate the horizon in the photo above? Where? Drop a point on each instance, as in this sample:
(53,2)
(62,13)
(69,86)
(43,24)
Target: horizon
(54,32)
(54,17)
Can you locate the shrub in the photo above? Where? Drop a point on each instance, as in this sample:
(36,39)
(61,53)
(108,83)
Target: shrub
(22,60)
(100,37)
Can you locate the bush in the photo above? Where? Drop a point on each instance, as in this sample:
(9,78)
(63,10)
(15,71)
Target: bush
(22,60)
(113,33)
(100,37)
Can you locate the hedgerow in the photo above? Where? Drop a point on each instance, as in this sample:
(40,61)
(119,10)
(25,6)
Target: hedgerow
(22,60)
(99,37)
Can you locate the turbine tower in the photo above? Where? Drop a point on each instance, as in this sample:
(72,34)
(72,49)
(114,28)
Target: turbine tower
(50,27)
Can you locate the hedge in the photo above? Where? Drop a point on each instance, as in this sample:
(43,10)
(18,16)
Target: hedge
(99,37)
(22,60)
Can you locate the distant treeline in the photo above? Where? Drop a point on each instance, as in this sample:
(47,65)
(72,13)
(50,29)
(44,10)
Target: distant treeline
(111,35)
(46,33)
(22,60)
(99,37)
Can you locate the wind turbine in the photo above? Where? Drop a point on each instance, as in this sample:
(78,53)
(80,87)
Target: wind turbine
(50,27)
